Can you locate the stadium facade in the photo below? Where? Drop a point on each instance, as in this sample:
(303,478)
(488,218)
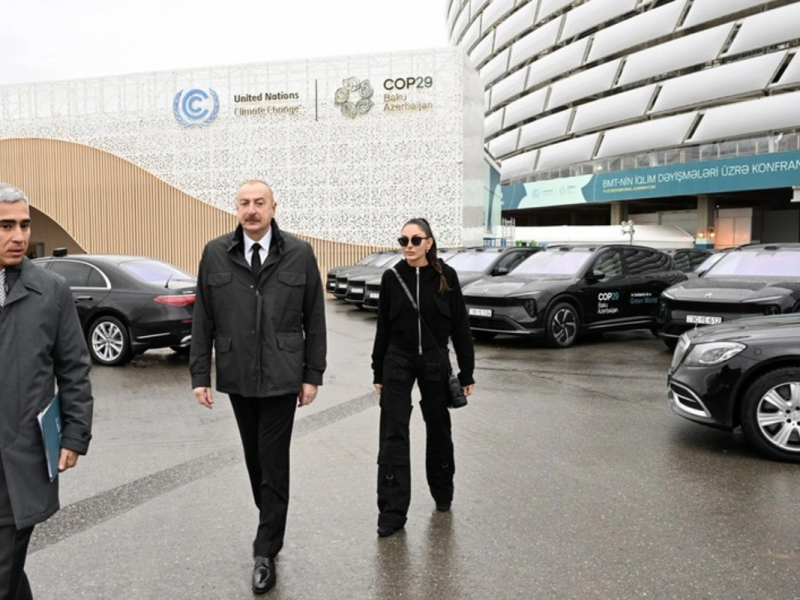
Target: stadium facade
(661,111)
(353,146)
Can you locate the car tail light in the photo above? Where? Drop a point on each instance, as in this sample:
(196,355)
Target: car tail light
(177,301)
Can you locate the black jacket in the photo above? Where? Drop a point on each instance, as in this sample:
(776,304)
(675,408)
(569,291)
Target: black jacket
(268,335)
(445,314)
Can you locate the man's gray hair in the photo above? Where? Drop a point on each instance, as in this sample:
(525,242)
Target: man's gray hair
(11,195)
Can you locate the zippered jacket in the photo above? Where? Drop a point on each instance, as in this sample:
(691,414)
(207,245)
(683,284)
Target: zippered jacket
(267,332)
(445,314)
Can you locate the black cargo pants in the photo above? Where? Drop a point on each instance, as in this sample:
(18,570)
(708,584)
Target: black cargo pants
(400,371)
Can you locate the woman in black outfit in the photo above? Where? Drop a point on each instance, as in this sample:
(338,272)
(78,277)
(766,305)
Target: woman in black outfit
(405,351)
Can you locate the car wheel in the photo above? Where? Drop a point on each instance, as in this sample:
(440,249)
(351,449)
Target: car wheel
(770,414)
(670,342)
(109,342)
(563,325)
(483,336)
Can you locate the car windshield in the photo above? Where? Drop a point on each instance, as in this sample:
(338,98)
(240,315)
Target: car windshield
(709,262)
(155,271)
(382,260)
(554,262)
(761,263)
(472,261)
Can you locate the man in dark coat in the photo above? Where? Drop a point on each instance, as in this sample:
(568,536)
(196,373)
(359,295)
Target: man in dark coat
(260,306)
(41,344)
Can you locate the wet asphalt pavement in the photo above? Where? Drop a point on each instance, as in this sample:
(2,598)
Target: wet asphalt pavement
(574,480)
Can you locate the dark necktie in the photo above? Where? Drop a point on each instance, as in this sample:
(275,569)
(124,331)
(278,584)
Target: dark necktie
(256,262)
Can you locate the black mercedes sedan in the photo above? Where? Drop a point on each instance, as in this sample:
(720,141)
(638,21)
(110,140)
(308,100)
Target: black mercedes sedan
(564,291)
(128,304)
(752,280)
(744,373)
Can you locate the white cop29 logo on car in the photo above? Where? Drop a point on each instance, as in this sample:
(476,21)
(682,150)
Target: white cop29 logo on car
(606,296)
(192,108)
(354,98)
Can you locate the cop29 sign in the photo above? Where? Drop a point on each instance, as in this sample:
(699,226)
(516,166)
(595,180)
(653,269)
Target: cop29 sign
(196,107)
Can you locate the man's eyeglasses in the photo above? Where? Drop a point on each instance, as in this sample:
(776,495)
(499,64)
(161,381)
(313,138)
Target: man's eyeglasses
(415,240)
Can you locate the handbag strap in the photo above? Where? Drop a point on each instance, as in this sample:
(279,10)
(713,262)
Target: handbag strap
(419,316)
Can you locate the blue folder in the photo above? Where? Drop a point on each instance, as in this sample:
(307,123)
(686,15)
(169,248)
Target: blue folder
(50,425)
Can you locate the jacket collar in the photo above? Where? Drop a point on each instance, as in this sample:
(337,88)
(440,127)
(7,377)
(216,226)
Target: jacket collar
(31,279)
(237,239)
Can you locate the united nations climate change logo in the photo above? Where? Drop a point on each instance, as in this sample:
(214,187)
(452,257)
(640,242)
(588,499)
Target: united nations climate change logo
(354,97)
(192,108)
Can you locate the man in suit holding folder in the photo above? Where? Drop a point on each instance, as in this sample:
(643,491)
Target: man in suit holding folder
(41,345)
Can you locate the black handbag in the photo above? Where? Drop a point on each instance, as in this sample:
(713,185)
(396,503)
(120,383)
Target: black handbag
(455,391)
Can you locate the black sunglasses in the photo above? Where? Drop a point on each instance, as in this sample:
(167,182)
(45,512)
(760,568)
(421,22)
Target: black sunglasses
(415,240)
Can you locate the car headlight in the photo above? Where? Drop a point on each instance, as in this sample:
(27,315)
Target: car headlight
(712,353)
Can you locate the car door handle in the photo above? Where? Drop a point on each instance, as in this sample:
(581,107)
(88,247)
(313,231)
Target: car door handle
(84,299)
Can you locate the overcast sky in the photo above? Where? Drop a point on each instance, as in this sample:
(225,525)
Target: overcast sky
(43,40)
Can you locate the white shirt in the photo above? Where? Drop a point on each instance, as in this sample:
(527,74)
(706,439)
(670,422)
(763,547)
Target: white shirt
(265,242)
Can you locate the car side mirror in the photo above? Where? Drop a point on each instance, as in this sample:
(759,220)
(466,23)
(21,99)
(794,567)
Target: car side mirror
(500,271)
(597,275)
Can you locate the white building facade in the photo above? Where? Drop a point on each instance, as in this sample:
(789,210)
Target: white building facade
(352,146)
(591,101)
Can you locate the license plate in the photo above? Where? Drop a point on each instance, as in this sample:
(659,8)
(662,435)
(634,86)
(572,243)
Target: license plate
(374,295)
(356,290)
(703,320)
(480,312)
(342,286)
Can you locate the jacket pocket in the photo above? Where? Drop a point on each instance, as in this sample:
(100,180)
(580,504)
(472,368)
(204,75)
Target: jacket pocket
(291,342)
(221,288)
(291,289)
(222,344)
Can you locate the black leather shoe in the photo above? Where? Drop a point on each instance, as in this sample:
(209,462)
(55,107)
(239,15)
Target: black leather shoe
(263,575)
(443,506)
(387,530)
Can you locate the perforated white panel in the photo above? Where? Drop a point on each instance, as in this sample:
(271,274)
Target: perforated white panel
(335,177)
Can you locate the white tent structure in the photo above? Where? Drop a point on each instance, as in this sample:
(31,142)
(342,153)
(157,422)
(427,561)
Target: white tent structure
(664,237)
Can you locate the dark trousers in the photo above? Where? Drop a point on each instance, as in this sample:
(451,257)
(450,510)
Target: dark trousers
(265,426)
(13,549)
(400,370)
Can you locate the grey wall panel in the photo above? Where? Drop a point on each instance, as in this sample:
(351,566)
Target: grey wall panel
(754,116)
(535,42)
(472,35)
(495,67)
(493,123)
(460,25)
(548,7)
(765,29)
(636,30)
(482,49)
(508,87)
(792,73)
(593,13)
(525,108)
(650,135)
(518,166)
(547,128)
(504,144)
(614,109)
(583,84)
(677,54)
(728,80)
(515,24)
(558,62)
(495,11)
(567,153)
(703,11)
